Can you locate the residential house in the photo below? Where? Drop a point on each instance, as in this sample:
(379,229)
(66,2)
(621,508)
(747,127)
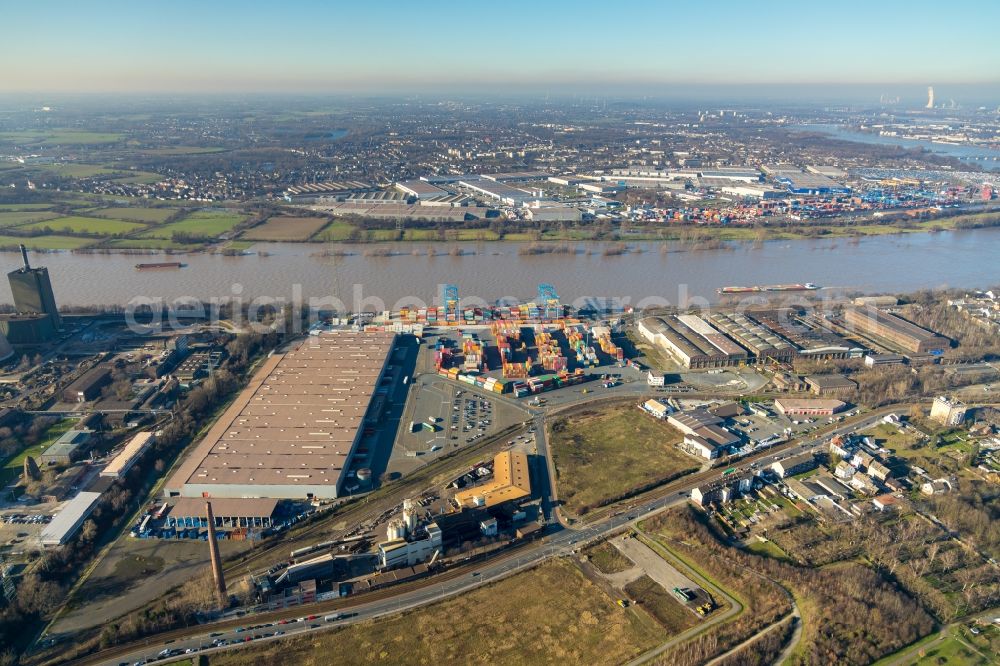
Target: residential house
(936,487)
(863,484)
(878,471)
(794,465)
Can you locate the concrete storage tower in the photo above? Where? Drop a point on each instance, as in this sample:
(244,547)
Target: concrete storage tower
(410,515)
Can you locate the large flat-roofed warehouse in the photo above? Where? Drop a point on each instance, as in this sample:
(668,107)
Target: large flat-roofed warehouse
(692,341)
(762,342)
(292,431)
(895,329)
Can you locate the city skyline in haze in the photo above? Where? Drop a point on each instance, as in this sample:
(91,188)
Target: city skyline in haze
(390,47)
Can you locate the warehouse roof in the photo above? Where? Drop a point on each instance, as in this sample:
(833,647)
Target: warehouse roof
(419,188)
(830,382)
(298,419)
(128,454)
(511,481)
(786,404)
(69,519)
(898,324)
(69,442)
(257,507)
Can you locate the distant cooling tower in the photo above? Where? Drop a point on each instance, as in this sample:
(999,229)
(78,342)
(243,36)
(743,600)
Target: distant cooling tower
(930,97)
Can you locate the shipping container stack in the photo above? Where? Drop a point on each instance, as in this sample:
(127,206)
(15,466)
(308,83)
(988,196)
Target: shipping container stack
(472,349)
(549,354)
(610,348)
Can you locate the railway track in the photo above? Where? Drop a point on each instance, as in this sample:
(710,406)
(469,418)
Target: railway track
(317,608)
(362,511)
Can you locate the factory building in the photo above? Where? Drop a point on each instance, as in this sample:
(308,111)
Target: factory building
(808,407)
(291,433)
(811,341)
(837,386)
(420,189)
(511,482)
(66,449)
(709,442)
(900,332)
(501,192)
(88,386)
(32,291)
(797,181)
(692,341)
(762,342)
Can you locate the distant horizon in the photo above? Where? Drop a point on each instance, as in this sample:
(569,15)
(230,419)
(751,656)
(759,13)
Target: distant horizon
(447,47)
(910,97)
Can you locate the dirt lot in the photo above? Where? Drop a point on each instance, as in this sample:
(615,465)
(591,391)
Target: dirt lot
(135,572)
(613,451)
(549,615)
(286,229)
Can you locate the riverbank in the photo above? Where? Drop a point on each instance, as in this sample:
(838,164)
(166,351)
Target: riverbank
(238,240)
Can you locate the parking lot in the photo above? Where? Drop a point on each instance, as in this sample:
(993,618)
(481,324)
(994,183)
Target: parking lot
(20,529)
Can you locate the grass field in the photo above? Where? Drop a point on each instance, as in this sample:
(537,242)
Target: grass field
(769,549)
(200,223)
(605,453)
(139,178)
(338,230)
(49,242)
(149,215)
(6,208)
(12,219)
(78,170)
(60,137)
(650,596)
(14,465)
(286,229)
(549,615)
(87,225)
(181,150)
(148,244)
(607,559)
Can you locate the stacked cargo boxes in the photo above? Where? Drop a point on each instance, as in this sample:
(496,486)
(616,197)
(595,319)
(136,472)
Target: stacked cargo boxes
(473,351)
(549,354)
(603,335)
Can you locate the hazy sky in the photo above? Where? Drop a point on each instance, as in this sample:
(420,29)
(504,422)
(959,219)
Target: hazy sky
(297,45)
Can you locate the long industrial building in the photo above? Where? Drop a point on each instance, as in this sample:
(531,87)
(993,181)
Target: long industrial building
(692,341)
(895,329)
(511,196)
(291,433)
(813,341)
(762,342)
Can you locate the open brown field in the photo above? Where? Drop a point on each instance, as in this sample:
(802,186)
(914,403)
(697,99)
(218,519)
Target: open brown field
(549,615)
(611,452)
(285,228)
